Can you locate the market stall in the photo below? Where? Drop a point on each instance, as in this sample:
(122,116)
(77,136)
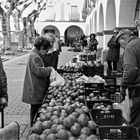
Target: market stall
(82,107)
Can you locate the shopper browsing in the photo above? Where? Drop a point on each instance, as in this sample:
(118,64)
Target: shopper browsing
(36,76)
(113,53)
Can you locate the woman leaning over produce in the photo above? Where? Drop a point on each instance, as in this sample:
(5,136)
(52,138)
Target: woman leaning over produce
(36,76)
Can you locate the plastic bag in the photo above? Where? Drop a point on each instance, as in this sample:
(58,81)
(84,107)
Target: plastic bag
(56,79)
(124,106)
(82,78)
(96,79)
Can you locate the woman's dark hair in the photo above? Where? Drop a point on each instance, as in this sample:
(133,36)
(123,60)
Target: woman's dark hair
(92,35)
(42,41)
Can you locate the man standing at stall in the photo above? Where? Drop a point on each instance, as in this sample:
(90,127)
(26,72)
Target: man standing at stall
(131,72)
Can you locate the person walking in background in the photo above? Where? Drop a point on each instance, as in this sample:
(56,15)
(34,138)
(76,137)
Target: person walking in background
(83,42)
(36,76)
(57,48)
(3,87)
(113,53)
(51,57)
(131,72)
(93,43)
(68,40)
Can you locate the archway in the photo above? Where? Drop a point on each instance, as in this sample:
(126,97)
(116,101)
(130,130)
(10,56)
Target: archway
(72,32)
(51,28)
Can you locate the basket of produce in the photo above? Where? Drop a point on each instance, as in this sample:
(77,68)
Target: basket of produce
(104,104)
(107,117)
(114,93)
(64,122)
(65,69)
(117,133)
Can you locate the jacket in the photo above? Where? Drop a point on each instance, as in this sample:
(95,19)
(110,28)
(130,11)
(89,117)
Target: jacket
(93,44)
(131,60)
(114,50)
(35,81)
(3,82)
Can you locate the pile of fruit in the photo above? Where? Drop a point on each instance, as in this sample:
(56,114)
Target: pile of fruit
(68,122)
(63,114)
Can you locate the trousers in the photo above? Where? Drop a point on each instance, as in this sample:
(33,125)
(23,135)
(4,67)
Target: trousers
(110,67)
(33,112)
(135,108)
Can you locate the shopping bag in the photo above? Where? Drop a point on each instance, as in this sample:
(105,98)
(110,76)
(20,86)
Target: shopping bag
(56,79)
(124,106)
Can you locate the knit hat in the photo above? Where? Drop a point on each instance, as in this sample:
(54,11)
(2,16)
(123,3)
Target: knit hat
(123,32)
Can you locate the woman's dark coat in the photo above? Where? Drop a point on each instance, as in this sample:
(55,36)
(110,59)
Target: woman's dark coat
(114,50)
(35,81)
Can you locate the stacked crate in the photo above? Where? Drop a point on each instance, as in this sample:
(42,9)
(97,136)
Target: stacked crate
(110,121)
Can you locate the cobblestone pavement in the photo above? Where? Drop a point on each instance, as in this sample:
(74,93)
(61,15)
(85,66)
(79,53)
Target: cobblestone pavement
(15,70)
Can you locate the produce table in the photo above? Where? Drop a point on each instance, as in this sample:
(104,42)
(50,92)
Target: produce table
(80,110)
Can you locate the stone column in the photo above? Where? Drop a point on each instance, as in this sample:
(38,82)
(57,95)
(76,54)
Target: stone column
(99,37)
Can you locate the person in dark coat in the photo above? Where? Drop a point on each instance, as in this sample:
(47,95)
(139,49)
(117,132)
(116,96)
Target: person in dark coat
(36,76)
(51,57)
(131,72)
(83,42)
(93,43)
(3,87)
(113,53)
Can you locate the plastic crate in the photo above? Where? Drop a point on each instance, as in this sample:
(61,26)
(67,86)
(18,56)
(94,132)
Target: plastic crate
(112,88)
(117,133)
(93,70)
(67,71)
(89,71)
(107,117)
(110,81)
(90,87)
(113,92)
(91,57)
(99,70)
(90,103)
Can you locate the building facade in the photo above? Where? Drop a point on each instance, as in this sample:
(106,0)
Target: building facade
(76,17)
(102,16)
